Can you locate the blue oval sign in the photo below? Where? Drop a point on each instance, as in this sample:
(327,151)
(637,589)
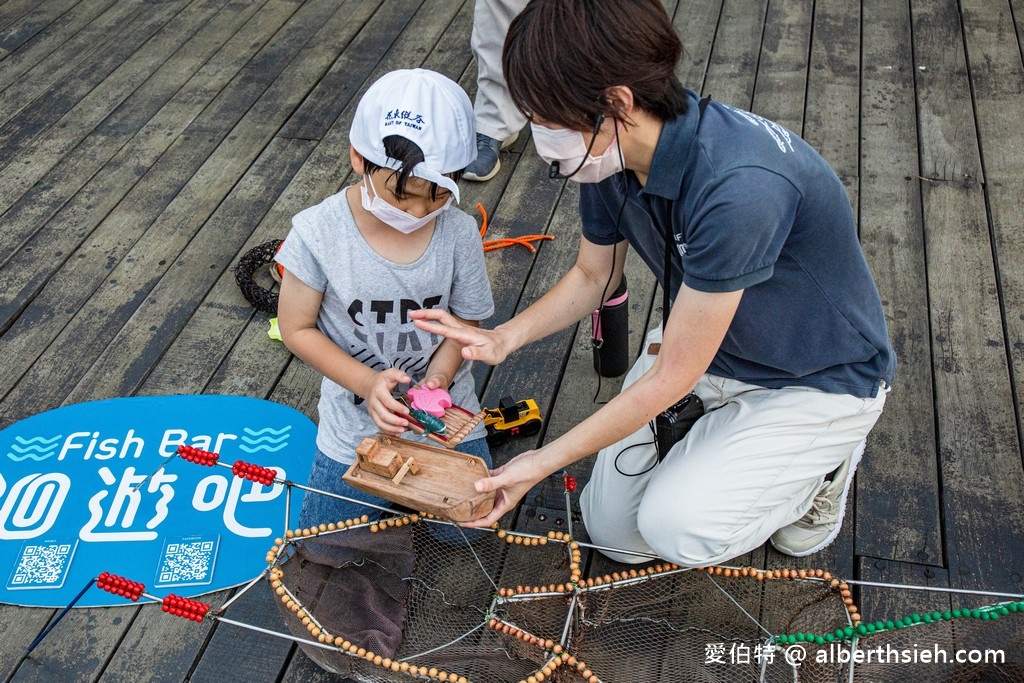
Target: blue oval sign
(76,498)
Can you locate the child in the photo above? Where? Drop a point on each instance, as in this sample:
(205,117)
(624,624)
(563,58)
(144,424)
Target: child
(359,261)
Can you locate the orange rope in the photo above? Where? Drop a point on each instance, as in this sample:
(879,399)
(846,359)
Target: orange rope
(483,226)
(524,240)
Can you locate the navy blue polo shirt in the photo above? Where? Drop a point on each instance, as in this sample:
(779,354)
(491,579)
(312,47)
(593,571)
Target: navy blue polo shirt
(752,206)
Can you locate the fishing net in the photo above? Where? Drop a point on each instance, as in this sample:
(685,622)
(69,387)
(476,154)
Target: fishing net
(415,598)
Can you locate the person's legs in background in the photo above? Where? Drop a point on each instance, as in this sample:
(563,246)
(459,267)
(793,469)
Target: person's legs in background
(497,119)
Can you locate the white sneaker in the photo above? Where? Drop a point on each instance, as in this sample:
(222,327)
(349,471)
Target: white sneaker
(823,521)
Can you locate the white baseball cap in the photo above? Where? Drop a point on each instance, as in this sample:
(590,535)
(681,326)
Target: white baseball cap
(426,108)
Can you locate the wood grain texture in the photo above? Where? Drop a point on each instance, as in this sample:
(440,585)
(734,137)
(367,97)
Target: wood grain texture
(146,145)
(997,80)
(979,446)
(897,489)
(443,486)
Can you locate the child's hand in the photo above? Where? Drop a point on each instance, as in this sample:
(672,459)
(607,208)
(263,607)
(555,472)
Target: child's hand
(436,381)
(387,412)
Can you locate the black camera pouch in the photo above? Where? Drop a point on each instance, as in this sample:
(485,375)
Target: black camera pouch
(674,422)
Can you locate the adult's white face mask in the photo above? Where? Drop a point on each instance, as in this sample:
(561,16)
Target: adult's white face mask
(568,149)
(402,221)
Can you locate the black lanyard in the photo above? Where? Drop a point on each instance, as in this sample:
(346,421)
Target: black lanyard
(666,302)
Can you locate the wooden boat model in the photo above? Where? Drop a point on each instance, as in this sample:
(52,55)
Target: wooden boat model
(420,477)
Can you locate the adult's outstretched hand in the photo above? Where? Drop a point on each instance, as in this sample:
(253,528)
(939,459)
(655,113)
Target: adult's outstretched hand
(487,346)
(510,482)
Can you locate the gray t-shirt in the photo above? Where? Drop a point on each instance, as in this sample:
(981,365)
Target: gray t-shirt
(366,301)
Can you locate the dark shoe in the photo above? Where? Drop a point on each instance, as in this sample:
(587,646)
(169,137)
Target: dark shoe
(487,164)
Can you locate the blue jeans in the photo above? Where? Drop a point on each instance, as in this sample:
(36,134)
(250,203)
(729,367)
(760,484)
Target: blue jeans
(326,474)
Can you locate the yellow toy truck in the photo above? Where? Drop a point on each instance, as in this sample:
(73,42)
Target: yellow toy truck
(512,418)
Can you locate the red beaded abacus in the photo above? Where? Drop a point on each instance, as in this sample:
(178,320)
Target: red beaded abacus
(118,585)
(193,610)
(256,473)
(197,456)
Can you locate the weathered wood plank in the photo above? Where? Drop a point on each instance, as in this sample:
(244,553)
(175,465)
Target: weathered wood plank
(223,346)
(114,156)
(158,647)
(299,388)
(319,177)
(78,650)
(332,93)
(42,152)
(136,348)
(897,490)
(264,656)
(575,399)
(997,78)
(697,24)
(54,37)
(17,134)
(782,71)
(151,629)
(19,626)
(979,447)
(170,190)
(948,137)
(64,61)
(174,300)
(833,87)
(220,71)
(302,669)
(248,366)
(532,372)
(23,25)
(1017,9)
(891,603)
(12,10)
(733,63)
(781,67)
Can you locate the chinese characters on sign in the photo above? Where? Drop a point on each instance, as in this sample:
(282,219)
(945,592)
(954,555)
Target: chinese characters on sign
(95,487)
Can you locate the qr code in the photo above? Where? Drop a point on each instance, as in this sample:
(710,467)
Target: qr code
(188,561)
(42,565)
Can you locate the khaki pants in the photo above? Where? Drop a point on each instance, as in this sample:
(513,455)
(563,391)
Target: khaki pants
(751,465)
(494,113)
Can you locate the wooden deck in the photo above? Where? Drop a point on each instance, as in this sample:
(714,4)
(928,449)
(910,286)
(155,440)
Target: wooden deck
(146,145)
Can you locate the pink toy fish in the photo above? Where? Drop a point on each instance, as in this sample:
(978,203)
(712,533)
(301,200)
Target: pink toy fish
(431,401)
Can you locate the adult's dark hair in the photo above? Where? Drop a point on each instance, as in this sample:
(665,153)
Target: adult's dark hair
(408,154)
(561,56)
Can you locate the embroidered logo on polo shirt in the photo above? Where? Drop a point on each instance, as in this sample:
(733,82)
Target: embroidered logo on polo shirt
(680,245)
(780,135)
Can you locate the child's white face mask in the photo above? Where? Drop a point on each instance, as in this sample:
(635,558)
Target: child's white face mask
(402,221)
